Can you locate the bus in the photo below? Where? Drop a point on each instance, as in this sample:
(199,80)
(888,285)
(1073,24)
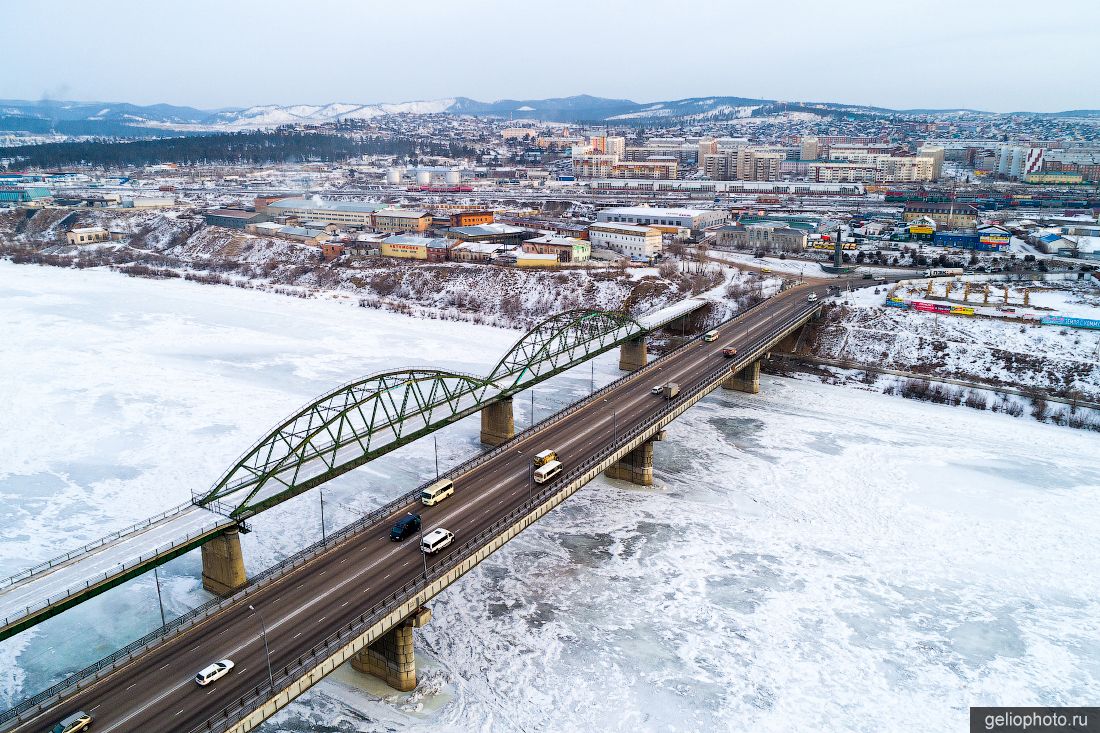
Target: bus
(547,471)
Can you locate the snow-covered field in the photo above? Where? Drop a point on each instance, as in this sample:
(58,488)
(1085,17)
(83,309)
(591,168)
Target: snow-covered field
(812,558)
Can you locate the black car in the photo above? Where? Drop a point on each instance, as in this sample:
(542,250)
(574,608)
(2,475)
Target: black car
(407,526)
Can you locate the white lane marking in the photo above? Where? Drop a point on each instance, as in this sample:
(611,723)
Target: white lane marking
(297,611)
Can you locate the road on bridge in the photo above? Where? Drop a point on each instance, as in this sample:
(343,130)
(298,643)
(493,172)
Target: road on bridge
(156,691)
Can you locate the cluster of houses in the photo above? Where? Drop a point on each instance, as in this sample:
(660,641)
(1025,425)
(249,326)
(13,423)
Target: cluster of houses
(356,228)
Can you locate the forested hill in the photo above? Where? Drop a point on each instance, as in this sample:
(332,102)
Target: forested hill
(279,146)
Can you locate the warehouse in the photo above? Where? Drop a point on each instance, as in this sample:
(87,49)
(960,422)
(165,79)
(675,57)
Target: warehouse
(668,218)
(234,218)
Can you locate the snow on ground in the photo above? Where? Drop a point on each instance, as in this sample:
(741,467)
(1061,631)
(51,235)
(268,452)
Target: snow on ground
(993,350)
(811,557)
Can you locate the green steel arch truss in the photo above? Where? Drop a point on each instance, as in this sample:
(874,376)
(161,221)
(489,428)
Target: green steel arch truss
(369,417)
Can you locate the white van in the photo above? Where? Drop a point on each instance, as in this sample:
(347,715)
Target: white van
(548,471)
(437,492)
(436,540)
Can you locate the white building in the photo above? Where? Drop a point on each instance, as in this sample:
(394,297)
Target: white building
(636,242)
(662,217)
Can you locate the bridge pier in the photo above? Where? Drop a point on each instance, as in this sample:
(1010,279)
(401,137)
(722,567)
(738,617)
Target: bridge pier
(746,380)
(223,564)
(637,465)
(498,425)
(391,658)
(633,354)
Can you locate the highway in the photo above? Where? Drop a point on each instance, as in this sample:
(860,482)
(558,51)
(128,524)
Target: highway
(156,691)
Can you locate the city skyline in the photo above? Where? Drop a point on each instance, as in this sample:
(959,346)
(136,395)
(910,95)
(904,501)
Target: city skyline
(252,53)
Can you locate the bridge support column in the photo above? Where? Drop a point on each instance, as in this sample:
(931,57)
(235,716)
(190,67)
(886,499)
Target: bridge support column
(391,658)
(498,425)
(746,380)
(637,465)
(223,564)
(633,354)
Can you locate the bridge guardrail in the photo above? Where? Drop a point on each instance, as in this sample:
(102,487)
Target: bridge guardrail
(288,674)
(108,664)
(49,564)
(116,569)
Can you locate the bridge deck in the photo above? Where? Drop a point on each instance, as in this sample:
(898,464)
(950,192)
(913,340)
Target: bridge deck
(365,571)
(670,313)
(92,570)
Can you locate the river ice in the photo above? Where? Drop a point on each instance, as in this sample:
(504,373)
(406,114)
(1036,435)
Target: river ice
(812,558)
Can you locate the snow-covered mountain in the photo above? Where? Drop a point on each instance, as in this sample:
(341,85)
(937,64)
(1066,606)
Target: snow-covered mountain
(273,115)
(129,120)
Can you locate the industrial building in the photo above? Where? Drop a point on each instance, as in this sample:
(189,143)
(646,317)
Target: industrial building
(471,218)
(495,232)
(414,247)
(637,242)
(234,218)
(86,235)
(400,220)
(566,249)
(346,213)
(661,217)
(713,188)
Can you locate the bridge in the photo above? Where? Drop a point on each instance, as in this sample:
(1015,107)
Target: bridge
(336,433)
(357,596)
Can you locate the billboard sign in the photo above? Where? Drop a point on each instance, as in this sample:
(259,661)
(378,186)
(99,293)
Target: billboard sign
(1072,322)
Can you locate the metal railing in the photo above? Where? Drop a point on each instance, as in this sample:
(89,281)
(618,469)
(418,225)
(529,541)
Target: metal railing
(200,613)
(50,564)
(115,570)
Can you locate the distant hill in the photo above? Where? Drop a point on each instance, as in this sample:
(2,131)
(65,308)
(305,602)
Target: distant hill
(129,120)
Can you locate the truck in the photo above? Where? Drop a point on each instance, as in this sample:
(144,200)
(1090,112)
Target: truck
(943,271)
(729,352)
(671,390)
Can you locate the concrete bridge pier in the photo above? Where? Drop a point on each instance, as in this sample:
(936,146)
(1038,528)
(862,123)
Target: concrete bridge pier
(391,657)
(746,380)
(498,425)
(637,465)
(633,354)
(223,564)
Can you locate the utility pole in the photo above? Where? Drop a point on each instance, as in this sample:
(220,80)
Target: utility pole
(160,600)
(267,650)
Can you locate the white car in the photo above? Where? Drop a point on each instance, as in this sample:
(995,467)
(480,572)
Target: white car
(214,672)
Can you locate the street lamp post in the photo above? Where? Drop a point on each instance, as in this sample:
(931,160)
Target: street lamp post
(160,600)
(322,495)
(423,555)
(267,650)
(435,442)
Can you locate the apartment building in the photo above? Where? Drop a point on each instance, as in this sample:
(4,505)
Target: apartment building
(654,168)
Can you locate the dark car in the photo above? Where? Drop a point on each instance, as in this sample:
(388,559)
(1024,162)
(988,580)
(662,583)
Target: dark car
(407,526)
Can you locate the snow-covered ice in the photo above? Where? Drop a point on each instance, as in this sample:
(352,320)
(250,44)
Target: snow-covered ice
(812,558)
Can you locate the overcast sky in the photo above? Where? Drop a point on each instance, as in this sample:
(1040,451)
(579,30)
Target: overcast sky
(1003,55)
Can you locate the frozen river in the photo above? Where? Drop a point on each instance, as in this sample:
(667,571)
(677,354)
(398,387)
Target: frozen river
(813,558)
